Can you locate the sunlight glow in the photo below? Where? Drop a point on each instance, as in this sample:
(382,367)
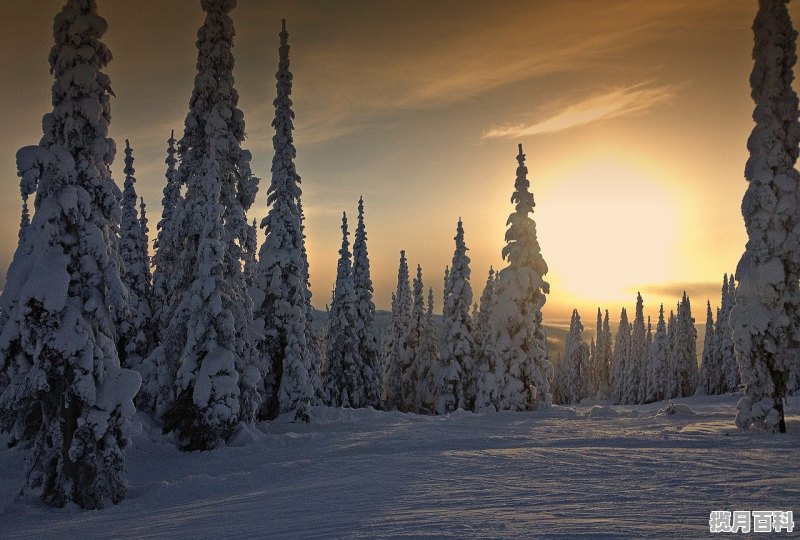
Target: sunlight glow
(611,221)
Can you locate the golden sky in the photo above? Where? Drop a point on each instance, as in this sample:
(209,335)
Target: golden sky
(634,117)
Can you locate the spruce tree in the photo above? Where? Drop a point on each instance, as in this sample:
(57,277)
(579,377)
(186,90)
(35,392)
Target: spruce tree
(621,358)
(516,333)
(282,305)
(342,380)
(168,240)
(211,144)
(484,371)
(455,385)
(368,346)
(576,356)
(658,377)
(417,370)
(766,318)
(638,356)
(67,398)
(429,360)
(251,254)
(397,352)
(729,377)
(709,368)
(685,351)
(135,323)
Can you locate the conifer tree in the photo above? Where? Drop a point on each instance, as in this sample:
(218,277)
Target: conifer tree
(417,370)
(397,349)
(709,368)
(670,376)
(429,360)
(659,378)
(638,356)
(135,323)
(622,356)
(251,254)
(283,301)
(455,385)
(168,239)
(604,359)
(576,356)
(685,351)
(368,346)
(67,398)
(729,376)
(484,371)
(517,336)
(342,380)
(766,318)
(214,130)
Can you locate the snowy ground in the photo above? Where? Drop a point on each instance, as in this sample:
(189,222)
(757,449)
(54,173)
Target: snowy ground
(604,471)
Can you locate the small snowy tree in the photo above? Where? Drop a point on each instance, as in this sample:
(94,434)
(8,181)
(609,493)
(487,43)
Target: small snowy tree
(168,239)
(484,371)
(685,350)
(729,376)
(251,254)
(136,333)
(455,385)
(766,319)
(342,376)
(709,367)
(429,360)
(67,398)
(417,371)
(368,346)
(622,356)
(658,377)
(397,341)
(576,356)
(281,279)
(516,333)
(603,362)
(638,356)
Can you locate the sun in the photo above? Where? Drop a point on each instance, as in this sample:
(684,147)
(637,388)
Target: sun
(606,227)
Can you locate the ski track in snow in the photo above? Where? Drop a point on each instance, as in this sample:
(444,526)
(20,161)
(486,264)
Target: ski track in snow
(626,472)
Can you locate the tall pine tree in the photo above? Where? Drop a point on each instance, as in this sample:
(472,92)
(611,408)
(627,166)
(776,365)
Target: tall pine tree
(517,336)
(67,398)
(283,301)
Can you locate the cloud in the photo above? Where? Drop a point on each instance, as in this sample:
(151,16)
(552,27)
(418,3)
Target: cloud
(699,292)
(619,102)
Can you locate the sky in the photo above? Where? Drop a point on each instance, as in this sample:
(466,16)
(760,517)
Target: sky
(634,117)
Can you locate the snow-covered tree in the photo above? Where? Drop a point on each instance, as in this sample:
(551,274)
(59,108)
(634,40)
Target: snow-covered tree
(604,358)
(282,302)
(214,130)
(455,385)
(659,376)
(251,254)
(397,354)
(729,376)
(576,355)
(710,370)
(685,350)
(168,239)
(621,358)
(136,332)
(67,398)
(368,345)
(342,380)
(638,357)
(516,333)
(206,409)
(766,318)
(484,370)
(428,360)
(417,371)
